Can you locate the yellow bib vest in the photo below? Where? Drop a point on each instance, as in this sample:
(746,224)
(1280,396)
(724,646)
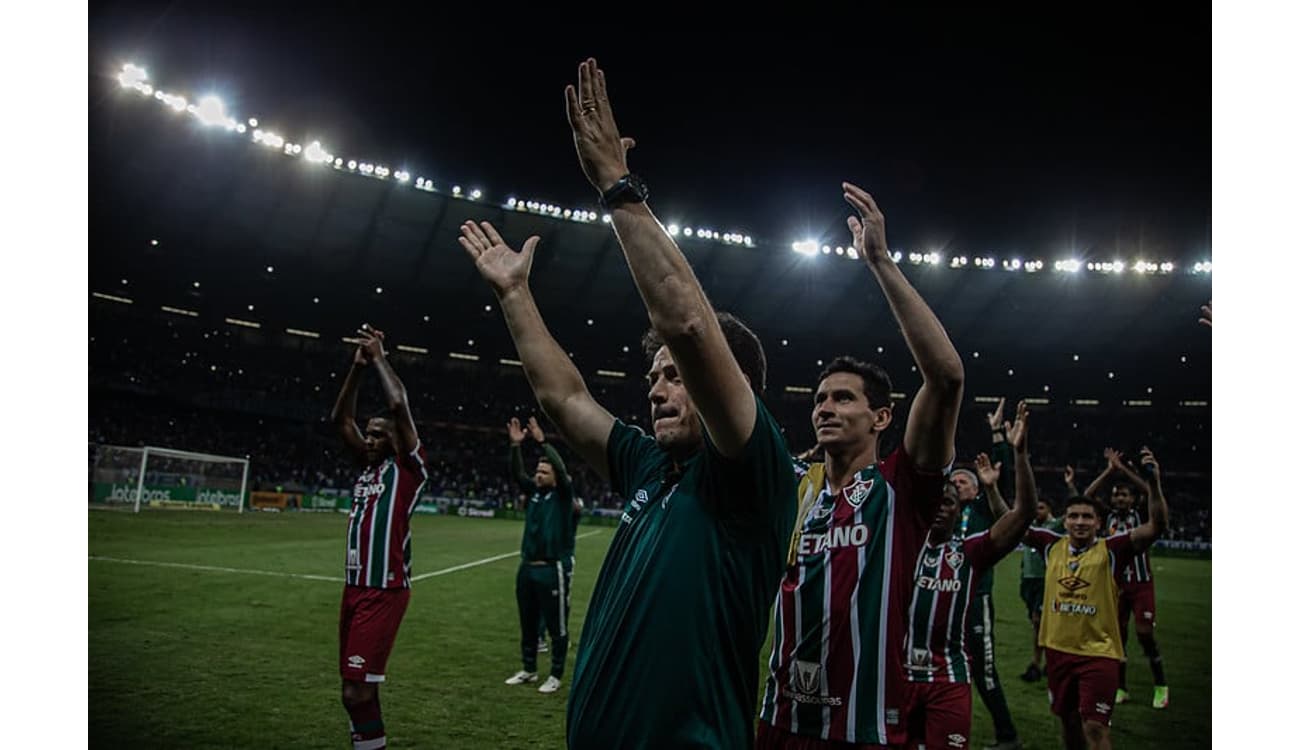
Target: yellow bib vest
(1081,602)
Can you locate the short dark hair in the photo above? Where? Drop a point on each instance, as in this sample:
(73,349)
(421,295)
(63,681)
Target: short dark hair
(875,381)
(744,344)
(1098,506)
(1132,489)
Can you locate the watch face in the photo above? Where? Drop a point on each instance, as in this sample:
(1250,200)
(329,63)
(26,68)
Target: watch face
(638,186)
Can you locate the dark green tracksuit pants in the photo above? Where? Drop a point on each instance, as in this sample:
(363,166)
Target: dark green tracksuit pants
(542,592)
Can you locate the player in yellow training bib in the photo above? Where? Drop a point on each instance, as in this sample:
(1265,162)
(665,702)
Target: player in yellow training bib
(1080,621)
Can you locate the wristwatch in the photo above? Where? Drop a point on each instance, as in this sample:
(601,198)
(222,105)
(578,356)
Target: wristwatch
(629,189)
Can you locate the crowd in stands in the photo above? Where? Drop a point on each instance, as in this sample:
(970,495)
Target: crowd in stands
(170,382)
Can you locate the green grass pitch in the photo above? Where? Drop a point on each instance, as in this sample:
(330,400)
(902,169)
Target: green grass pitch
(183,657)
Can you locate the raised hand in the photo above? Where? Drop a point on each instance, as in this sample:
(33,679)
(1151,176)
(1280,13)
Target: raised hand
(1018,433)
(535,430)
(987,472)
(868,227)
(601,151)
(1114,459)
(515,431)
(371,346)
(1069,475)
(995,419)
(499,265)
(1207,319)
(1149,464)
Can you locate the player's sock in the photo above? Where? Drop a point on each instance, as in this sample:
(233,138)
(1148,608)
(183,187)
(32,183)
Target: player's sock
(1121,696)
(1153,655)
(367,725)
(1161,697)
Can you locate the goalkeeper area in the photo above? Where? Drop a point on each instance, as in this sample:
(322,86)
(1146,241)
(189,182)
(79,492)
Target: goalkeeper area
(154,477)
(220,630)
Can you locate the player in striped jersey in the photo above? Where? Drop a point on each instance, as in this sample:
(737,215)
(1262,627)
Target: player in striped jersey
(1137,591)
(1080,625)
(835,675)
(937,710)
(378,582)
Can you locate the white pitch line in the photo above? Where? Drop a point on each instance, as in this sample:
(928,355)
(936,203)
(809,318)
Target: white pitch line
(188,566)
(484,561)
(307,576)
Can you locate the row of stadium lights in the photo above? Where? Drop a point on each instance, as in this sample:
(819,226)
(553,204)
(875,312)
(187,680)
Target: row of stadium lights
(469,357)
(810,248)
(210,111)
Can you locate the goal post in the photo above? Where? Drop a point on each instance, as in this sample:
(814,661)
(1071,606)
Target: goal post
(157,477)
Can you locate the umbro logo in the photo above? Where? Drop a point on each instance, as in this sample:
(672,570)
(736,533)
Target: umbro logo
(1103,707)
(956,740)
(1073,583)
(356,660)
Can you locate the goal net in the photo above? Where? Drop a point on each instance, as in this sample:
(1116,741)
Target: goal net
(153,477)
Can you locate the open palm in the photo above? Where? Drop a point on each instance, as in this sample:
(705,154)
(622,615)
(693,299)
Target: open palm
(499,265)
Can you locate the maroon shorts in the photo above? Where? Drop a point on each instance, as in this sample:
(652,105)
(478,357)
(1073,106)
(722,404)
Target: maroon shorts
(1140,600)
(1084,685)
(935,714)
(368,623)
(773,738)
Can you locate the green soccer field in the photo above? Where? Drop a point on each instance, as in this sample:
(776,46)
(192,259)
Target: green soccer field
(186,656)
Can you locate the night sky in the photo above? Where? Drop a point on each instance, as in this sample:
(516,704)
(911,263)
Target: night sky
(1034,134)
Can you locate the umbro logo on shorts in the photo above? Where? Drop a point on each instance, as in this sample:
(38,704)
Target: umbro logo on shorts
(1103,707)
(356,660)
(956,740)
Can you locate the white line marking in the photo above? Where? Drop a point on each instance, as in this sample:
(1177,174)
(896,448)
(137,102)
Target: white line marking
(307,576)
(484,561)
(188,566)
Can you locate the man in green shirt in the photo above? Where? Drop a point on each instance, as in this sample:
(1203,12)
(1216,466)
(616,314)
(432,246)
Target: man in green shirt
(1033,568)
(669,650)
(546,555)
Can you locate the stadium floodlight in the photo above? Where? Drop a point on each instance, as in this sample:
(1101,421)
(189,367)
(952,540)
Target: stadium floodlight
(1119,266)
(316,154)
(475,194)
(805,247)
(112,298)
(510,202)
(826,249)
(455,190)
(352,164)
(852,252)
(132,76)
(898,255)
(211,111)
(270,269)
(839,250)
(749,241)
(188,480)
(688,232)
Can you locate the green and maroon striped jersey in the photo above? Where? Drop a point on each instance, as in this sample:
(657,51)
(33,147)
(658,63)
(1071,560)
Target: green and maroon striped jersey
(1118,522)
(945,579)
(379,526)
(836,671)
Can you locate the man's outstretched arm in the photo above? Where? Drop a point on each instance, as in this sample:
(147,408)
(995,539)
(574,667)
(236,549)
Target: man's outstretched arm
(557,384)
(932,422)
(674,300)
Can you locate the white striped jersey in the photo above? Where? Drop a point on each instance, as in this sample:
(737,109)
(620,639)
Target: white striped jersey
(379,526)
(1118,522)
(839,619)
(935,646)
